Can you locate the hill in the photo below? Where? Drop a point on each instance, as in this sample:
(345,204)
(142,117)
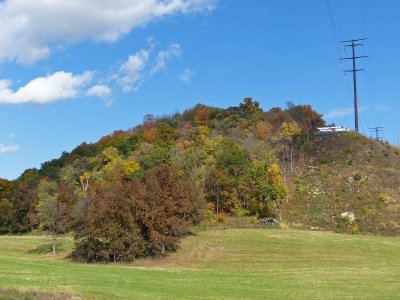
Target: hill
(135,193)
(215,264)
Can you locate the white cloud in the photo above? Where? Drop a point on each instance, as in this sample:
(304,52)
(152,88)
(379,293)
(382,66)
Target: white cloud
(132,69)
(173,50)
(187,75)
(57,86)
(99,90)
(30,28)
(8,149)
(11,135)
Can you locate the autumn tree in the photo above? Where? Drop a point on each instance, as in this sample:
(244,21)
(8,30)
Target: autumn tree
(24,199)
(263,129)
(168,210)
(149,132)
(276,191)
(109,232)
(289,131)
(6,214)
(248,106)
(202,116)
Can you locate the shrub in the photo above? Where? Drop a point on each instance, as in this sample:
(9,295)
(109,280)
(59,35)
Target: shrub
(341,222)
(222,217)
(241,213)
(355,229)
(382,199)
(349,162)
(358,176)
(326,160)
(299,185)
(347,150)
(253,220)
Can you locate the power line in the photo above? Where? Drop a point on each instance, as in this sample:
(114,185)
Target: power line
(377,130)
(354,43)
(336,37)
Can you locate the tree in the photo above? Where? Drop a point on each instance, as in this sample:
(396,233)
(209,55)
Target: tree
(84,179)
(264,129)
(248,106)
(24,199)
(109,232)
(276,190)
(149,131)
(202,116)
(232,159)
(49,210)
(289,131)
(165,209)
(6,214)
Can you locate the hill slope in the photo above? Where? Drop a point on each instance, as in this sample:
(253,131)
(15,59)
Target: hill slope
(346,173)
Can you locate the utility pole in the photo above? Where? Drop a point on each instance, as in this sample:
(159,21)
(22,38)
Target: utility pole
(377,130)
(353,45)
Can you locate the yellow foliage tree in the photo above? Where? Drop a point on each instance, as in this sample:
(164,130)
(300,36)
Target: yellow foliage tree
(288,130)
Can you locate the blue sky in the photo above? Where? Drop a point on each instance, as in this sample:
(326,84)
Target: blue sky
(73,71)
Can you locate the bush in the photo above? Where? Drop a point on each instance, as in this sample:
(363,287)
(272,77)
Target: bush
(326,160)
(382,199)
(222,217)
(299,185)
(241,213)
(347,150)
(358,176)
(355,229)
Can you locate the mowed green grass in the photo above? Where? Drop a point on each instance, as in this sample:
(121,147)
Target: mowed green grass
(219,264)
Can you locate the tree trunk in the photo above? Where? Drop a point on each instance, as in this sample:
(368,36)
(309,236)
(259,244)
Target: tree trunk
(291,158)
(217,206)
(54,246)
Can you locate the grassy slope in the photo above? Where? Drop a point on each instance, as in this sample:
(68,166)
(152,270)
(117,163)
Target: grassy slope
(327,171)
(227,264)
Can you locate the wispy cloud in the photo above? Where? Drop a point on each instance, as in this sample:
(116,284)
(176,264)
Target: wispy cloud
(344,112)
(8,148)
(338,113)
(186,75)
(99,90)
(173,50)
(131,70)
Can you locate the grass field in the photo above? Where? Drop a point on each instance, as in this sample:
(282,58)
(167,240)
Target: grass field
(218,264)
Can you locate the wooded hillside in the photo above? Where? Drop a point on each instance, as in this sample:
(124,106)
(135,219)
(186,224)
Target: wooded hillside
(136,192)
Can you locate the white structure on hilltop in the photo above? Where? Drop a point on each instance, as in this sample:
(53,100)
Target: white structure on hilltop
(332,129)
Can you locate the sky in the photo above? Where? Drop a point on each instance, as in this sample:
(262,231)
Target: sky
(74,71)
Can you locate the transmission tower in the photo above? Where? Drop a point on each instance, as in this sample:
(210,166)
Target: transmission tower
(353,44)
(377,130)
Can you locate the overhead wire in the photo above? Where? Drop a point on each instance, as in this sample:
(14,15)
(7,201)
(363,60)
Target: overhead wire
(335,30)
(366,77)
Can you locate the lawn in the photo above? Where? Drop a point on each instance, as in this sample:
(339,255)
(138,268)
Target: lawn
(218,264)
